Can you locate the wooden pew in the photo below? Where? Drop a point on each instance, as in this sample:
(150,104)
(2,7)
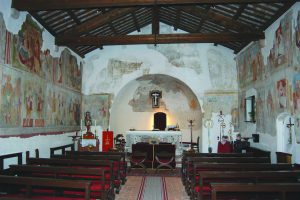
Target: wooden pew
(188,154)
(116,159)
(191,160)
(79,163)
(29,183)
(258,152)
(62,149)
(122,154)
(8,156)
(202,186)
(100,187)
(198,167)
(281,188)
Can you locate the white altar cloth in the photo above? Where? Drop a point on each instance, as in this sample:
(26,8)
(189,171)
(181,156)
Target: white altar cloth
(174,137)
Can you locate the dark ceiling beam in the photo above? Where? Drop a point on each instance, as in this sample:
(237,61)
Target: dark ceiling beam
(239,11)
(111,26)
(158,39)
(73,16)
(217,18)
(203,19)
(135,22)
(177,20)
(155,20)
(27,5)
(100,20)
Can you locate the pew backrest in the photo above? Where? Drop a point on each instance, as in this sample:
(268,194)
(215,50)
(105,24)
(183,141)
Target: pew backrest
(283,188)
(47,182)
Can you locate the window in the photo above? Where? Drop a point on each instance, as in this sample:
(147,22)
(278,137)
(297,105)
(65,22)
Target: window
(250,109)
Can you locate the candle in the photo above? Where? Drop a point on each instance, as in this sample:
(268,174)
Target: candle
(80,124)
(95,122)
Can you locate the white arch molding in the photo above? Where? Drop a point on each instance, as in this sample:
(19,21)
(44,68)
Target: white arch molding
(283,135)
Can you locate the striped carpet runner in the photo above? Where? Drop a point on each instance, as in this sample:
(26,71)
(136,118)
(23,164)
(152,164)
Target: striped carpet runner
(153,188)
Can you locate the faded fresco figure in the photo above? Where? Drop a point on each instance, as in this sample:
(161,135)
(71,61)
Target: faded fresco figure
(7,96)
(281,89)
(2,38)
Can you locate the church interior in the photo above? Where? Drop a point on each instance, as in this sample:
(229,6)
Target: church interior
(150,99)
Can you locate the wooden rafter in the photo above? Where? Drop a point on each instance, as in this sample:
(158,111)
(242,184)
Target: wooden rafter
(100,20)
(158,39)
(27,5)
(155,20)
(217,18)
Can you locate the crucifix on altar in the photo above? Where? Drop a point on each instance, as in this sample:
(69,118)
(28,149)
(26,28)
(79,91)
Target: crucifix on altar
(155,95)
(289,126)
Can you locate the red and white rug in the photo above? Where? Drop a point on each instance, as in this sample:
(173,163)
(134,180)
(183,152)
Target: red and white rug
(152,188)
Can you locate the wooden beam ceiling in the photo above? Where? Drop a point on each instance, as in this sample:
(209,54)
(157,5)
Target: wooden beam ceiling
(100,20)
(158,39)
(29,5)
(217,18)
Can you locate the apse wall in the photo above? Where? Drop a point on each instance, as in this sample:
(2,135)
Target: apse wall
(40,86)
(178,102)
(208,71)
(270,71)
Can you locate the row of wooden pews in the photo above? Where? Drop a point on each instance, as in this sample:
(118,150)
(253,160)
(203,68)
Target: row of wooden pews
(71,175)
(238,176)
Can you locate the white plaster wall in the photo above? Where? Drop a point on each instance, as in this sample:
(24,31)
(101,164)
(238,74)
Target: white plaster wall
(41,142)
(10,145)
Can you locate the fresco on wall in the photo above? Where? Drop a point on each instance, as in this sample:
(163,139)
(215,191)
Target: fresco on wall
(11,98)
(181,55)
(117,68)
(34,102)
(296,43)
(173,91)
(281,53)
(68,71)
(281,90)
(219,71)
(227,102)
(47,65)
(250,65)
(296,92)
(62,107)
(26,47)
(260,105)
(270,112)
(98,105)
(2,38)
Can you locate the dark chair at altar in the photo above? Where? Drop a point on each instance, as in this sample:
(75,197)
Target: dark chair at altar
(163,151)
(164,156)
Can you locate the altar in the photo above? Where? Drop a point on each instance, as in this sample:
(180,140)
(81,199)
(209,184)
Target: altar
(173,137)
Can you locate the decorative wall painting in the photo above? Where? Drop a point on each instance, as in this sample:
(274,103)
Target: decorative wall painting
(11,98)
(280,54)
(34,102)
(281,88)
(98,105)
(47,65)
(2,38)
(260,105)
(27,45)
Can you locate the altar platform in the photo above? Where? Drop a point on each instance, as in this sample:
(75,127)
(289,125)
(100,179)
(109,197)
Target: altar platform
(154,137)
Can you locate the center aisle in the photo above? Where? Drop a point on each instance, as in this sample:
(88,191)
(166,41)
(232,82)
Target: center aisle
(152,188)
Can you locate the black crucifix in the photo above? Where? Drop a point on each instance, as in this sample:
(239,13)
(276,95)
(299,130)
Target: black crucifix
(289,126)
(155,95)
